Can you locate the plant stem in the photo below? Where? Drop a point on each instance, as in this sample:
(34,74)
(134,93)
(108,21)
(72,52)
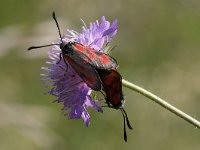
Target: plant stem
(162,102)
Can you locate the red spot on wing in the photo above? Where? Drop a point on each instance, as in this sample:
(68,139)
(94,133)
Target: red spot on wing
(104,59)
(79,47)
(91,56)
(94,57)
(89,52)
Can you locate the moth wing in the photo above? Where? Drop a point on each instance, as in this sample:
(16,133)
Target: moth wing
(96,58)
(86,72)
(112,86)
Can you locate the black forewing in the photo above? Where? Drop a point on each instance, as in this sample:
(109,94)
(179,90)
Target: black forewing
(86,72)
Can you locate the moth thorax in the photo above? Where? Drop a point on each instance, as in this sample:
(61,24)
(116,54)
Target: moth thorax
(67,48)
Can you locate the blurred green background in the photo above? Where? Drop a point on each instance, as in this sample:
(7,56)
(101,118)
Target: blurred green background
(158,48)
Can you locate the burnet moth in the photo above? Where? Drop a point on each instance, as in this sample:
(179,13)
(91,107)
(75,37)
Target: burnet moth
(96,69)
(83,60)
(112,86)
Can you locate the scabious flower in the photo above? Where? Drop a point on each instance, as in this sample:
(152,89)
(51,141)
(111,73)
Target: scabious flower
(66,84)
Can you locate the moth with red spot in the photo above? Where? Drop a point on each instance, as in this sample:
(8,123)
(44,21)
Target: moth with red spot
(83,60)
(112,86)
(96,69)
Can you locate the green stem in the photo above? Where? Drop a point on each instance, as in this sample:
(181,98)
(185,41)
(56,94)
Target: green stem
(162,102)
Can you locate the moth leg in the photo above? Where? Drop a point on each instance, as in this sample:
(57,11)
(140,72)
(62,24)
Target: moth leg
(107,102)
(66,64)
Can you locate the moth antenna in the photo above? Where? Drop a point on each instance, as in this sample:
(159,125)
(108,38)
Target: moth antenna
(54,18)
(35,47)
(124,118)
(127,120)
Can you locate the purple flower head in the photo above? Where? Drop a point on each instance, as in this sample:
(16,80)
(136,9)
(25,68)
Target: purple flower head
(66,84)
